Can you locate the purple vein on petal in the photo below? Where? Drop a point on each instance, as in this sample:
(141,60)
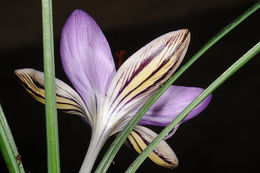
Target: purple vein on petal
(142,66)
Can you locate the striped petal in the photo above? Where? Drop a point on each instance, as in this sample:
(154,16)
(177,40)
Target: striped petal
(67,99)
(172,103)
(86,57)
(143,73)
(162,155)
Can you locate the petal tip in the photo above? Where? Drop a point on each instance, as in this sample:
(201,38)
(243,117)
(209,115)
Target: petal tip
(186,32)
(186,35)
(18,72)
(79,12)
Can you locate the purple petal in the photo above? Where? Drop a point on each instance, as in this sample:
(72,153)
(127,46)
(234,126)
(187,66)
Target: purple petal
(171,103)
(86,55)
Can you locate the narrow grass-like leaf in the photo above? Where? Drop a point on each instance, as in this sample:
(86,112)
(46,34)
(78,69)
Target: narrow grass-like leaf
(118,142)
(50,93)
(8,147)
(213,86)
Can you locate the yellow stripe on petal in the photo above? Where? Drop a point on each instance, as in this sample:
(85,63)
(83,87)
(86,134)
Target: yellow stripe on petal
(143,73)
(162,155)
(67,99)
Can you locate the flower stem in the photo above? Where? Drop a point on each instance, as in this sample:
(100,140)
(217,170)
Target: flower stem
(117,143)
(97,141)
(50,92)
(213,86)
(8,147)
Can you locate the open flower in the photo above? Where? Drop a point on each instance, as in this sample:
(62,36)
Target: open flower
(107,99)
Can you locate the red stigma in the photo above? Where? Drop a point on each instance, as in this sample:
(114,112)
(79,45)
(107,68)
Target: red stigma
(120,57)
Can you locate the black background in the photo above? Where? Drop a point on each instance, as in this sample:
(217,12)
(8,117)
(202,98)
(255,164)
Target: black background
(224,138)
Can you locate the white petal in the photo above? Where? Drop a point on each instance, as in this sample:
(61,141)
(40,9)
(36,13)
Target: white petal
(67,99)
(162,155)
(143,73)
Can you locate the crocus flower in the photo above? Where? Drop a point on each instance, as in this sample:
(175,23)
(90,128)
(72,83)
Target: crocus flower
(107,99)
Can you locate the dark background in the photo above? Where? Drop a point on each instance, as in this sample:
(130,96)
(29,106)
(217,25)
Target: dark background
(224,138)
